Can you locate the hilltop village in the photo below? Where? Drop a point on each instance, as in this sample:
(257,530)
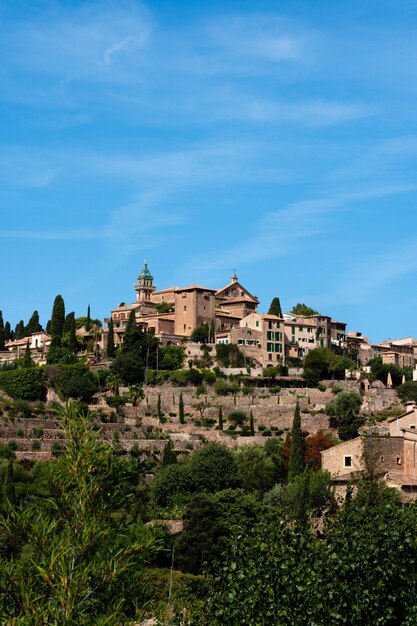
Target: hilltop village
(269,358)
(183,418)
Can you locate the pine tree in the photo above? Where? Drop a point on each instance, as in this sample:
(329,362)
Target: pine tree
(252,424)
(33,325)
(27,360)
(181,409)
(57,320)
(88,322)
(111,349)
(296,460)
(158,407)
(275,308)
(7,331)
(2,333)
(220,418)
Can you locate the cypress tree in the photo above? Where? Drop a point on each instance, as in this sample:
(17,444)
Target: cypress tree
(33,325)
(48,327)
(72,337)
(66,329)
(220,418)
(181,409)
(130,337)
(9,492)
(88,322)
(158,407)
(7,331)
(2,333)
(27,360)
(212,332)
(19,332)
(169,457)
(110,340)
(57,320)
(275,308)
(252,424)
(296,460)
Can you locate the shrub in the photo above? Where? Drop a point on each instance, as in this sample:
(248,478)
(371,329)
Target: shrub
(36,444)
(25,383)
(209,377)
(237,418)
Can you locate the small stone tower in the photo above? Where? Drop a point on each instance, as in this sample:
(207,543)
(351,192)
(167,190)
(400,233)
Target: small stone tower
(144,287)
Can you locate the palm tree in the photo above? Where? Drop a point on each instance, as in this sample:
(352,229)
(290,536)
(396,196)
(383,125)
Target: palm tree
(114,382)
(136,394)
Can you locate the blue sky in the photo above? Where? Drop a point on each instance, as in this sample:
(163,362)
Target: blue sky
(279,139)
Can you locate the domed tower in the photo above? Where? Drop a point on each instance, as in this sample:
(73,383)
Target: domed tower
(144,287)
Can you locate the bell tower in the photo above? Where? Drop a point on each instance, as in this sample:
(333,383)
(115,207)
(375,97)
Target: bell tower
(144,287)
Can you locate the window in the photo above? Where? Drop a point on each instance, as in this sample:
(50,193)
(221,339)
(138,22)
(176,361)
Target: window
(256,324)
(185,307)
(293,330)
(412,426)
(398,460)
(347,461)
(185,326)
(249,332)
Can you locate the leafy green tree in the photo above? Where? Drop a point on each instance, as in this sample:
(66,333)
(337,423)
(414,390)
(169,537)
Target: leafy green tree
(181,413)
(345,408)
(76,381)
(200,334)
(256,470)
(407,392)
(137,352)
(323,364)
(79,565)
(275,308)
(380,371)
(111,349)
(304,310)
(213,468)
(2,333)
(171,357)
(210,520)
(33,326)
(237,418)
(296,461)
(57,320)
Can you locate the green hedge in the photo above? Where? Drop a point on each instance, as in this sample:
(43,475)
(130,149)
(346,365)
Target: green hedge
(25,383)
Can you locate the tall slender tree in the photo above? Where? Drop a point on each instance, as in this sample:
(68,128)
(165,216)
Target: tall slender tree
(220,418)
(68,323)
(111,349)
(275,308)
(252,424)
(296,461)
(20,330)
(88,322)
(212,334)
(181,413)
(7,331)
(158,407)
(57,320)
(2,333)
(27,360)
(72,337)
(33,325)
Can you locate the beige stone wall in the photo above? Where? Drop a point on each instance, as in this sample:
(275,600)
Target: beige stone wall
(333,459)
(191,309)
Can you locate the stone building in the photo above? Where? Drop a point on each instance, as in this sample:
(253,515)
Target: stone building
(388,452)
